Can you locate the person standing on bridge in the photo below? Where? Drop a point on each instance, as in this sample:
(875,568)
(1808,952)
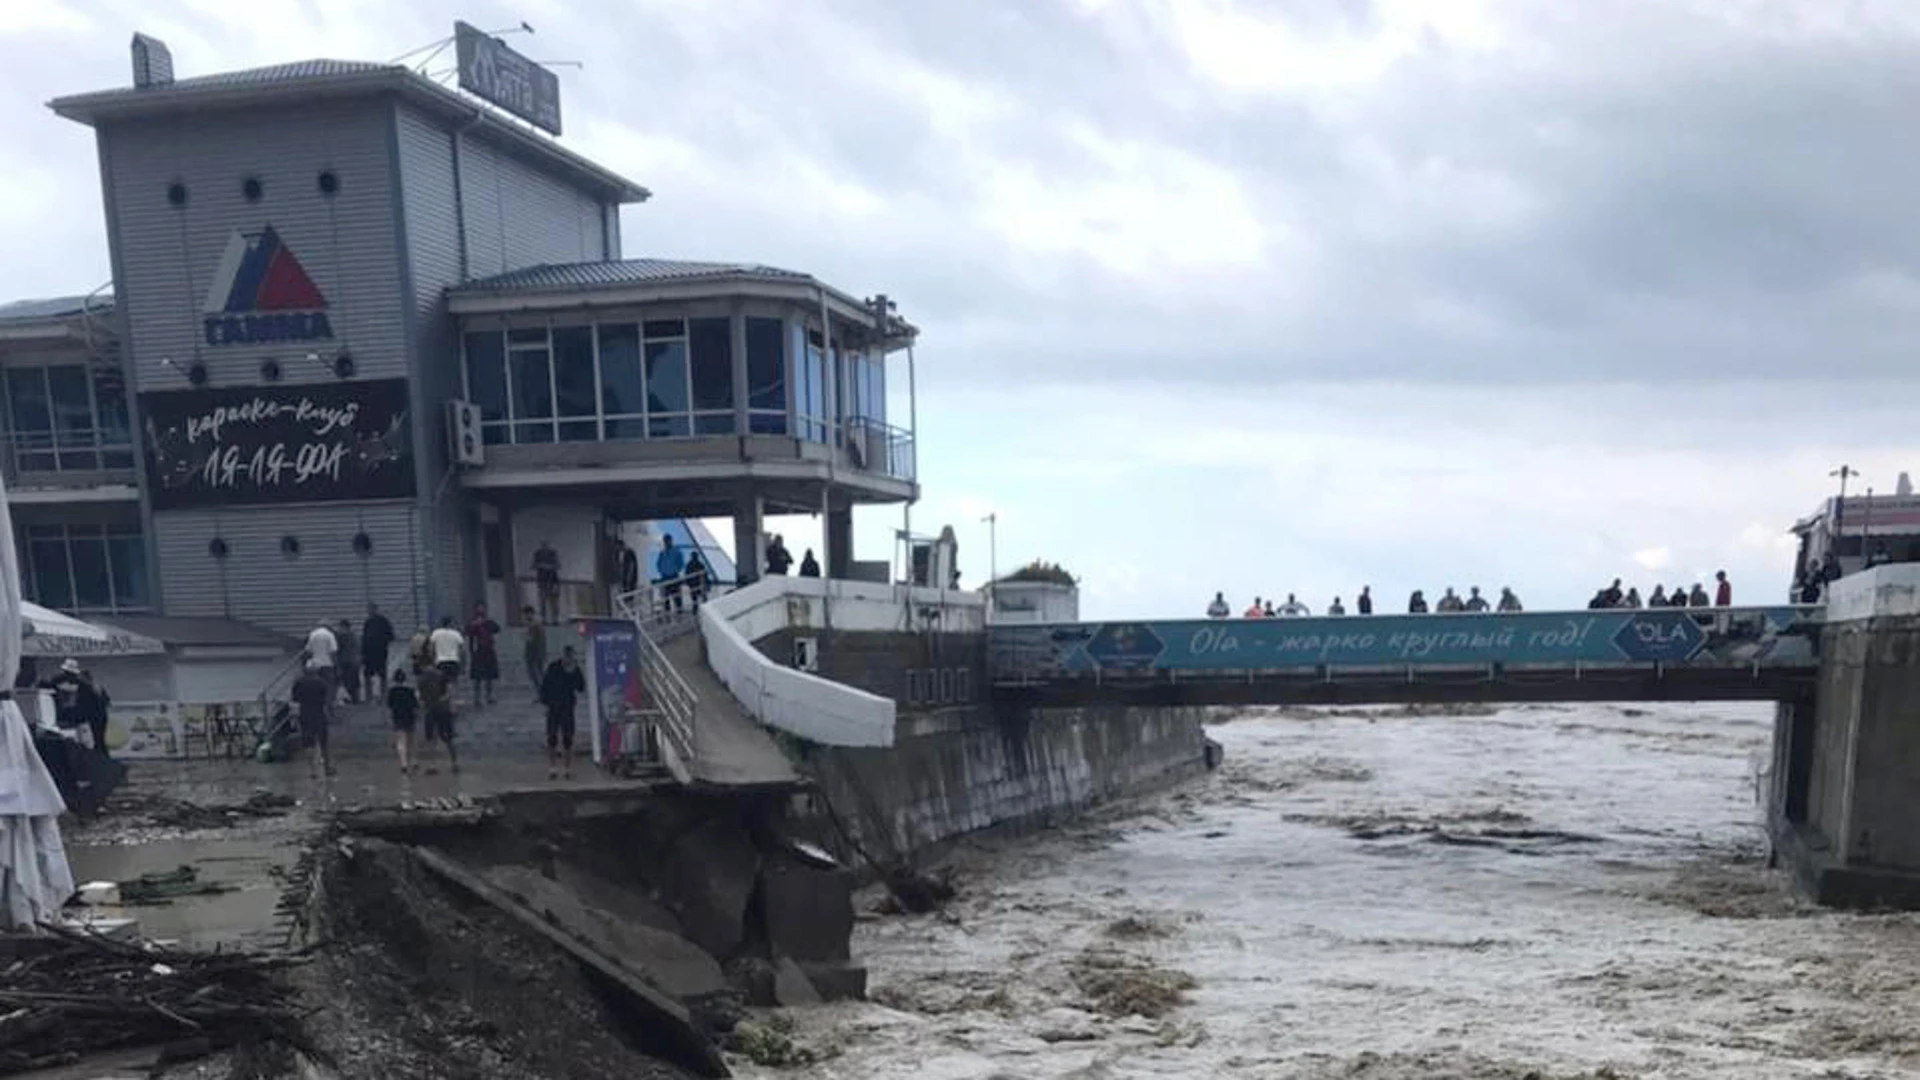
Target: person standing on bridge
(1364,605)
(1293,608)
(1417,603)
(1475,602)
(1614,594)
(1723,592)
(1633,597)
(1698,598)
(1254,611)
(1449,602)
(1659,596)
(1508,601)
(1219,609)
(1336,608)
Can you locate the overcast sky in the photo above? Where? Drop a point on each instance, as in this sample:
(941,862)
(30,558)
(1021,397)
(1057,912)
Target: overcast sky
(1268,298)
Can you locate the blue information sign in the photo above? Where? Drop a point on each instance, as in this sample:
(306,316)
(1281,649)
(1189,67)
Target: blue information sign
(1696,637)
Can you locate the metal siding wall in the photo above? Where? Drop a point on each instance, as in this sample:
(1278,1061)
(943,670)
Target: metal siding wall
(327,580)
(519,217)
(168,255)
(428,193)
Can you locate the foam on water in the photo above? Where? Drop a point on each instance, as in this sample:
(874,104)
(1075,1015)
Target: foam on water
(1545,891)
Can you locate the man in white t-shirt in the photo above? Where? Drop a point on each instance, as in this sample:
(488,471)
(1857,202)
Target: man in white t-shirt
(323,656)
(448,648)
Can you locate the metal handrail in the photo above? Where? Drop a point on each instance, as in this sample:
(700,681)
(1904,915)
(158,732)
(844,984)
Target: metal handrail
(678,705)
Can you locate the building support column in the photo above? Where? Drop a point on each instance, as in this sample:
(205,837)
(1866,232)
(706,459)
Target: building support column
(749,538)
(837,535)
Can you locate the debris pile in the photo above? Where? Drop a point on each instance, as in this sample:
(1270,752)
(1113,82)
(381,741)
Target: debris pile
(70,993)
(183,814)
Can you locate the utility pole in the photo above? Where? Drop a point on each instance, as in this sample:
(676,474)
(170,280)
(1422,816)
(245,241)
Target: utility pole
(1840,508)
(992,522)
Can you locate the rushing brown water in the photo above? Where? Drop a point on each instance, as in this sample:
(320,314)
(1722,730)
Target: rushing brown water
(1545,892)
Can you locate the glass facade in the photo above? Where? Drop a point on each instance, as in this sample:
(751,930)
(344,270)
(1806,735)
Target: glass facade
(85,568)
(65,417)
(667,379)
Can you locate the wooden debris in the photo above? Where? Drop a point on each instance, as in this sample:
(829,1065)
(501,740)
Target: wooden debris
(69,993)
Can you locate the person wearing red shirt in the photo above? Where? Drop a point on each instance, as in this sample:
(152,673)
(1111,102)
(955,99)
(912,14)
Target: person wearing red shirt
(1722,593)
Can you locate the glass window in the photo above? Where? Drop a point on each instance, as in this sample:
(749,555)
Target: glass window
(52,575)
(87,547)
(534,336)
(667,390)
(531,374)
(71,397)
(116,428)
(623,396)
(32,417)
(711,347)
(766,376)
(127,559)
(487,381)
(575,384)
(666,328)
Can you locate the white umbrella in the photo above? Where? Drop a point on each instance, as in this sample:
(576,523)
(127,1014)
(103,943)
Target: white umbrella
(50,633)
(34,877)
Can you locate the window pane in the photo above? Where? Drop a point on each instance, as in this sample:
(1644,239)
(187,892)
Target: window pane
(666,377)
(71,395)
(110,401)
(91,588)
(487,373)
(532,385)
(129,563)
(766,364)
(27,397)
(535,336)
(52,577)
(711,341)
(713,424)
(665,328)
(668,426)
(767,423)
(537,431)
(622,385)
(877,379)
(573,377)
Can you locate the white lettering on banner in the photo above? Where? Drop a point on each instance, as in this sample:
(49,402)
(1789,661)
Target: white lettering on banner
(1210,641)
(322,419)
(1660,634)
(273,466)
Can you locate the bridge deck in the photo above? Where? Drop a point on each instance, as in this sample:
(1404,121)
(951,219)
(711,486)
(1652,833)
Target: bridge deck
(1671,654)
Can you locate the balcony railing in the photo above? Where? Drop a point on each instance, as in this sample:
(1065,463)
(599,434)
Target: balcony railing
(881,448)
(86,451)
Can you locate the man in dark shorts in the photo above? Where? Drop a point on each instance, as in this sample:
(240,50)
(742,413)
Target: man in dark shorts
(403,705)
(312,699)
(436,703)
(560,689)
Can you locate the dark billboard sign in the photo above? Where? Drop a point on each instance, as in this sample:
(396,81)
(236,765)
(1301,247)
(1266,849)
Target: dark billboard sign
(278,444)
(494,73)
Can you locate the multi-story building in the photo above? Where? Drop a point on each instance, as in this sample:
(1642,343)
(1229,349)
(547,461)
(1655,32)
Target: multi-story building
(316,266)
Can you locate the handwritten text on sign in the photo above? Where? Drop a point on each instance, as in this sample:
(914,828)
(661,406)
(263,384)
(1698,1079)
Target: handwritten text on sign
(279,444)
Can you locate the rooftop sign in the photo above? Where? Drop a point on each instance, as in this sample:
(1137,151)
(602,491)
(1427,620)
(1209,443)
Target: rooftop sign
(498,75)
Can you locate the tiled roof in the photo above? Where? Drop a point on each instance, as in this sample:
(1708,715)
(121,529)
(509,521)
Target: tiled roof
(298,71)
(624,272)
(57,307)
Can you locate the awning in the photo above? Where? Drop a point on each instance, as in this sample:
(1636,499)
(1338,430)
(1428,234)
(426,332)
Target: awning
(46,633)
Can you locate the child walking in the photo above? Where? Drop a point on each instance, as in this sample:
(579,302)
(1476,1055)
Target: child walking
(403,705)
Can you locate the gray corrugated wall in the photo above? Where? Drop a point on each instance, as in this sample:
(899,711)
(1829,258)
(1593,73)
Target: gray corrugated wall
(518,217)
(432,243)
(259,584)
(347,243)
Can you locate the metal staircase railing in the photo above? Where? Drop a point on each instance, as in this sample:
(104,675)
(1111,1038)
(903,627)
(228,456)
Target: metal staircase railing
(660,619)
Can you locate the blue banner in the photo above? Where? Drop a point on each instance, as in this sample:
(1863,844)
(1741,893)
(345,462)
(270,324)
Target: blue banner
(613,690)
(1694,637)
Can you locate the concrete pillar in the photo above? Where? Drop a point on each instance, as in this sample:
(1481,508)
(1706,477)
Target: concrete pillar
(1845,810)
(749,538)
(837,530)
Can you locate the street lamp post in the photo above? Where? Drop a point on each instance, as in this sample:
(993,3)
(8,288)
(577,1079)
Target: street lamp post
(992,522)
(1840,508)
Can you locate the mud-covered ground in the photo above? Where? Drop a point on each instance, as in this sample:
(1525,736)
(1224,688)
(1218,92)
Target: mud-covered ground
(1545,893)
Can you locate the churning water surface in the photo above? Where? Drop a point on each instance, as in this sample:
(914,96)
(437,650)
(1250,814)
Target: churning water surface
(1543,892)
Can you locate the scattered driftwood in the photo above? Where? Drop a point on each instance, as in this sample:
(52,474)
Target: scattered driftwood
(184,814)
(70,993)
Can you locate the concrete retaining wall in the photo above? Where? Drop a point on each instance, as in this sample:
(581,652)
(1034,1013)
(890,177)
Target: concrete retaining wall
(964,770)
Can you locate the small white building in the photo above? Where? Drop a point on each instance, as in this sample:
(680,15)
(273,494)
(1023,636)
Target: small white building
(1019,601)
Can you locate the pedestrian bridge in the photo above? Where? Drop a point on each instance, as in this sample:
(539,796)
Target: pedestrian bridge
(1650,654)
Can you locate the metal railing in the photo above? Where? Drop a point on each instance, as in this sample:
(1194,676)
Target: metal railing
(881,448)
(658,618)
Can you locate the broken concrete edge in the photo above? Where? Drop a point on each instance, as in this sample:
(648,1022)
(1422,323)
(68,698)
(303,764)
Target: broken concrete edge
(689,1046)
(1823,879)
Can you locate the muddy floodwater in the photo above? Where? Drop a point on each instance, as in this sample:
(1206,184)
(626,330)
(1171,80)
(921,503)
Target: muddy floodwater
(1543,892)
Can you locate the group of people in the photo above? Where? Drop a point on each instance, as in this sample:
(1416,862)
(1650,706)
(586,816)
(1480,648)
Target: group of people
(338,665)
(1363,604)
(1612,596)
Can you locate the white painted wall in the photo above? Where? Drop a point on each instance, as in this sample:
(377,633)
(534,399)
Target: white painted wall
(1890,590)
(801,703)
(1017,602)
